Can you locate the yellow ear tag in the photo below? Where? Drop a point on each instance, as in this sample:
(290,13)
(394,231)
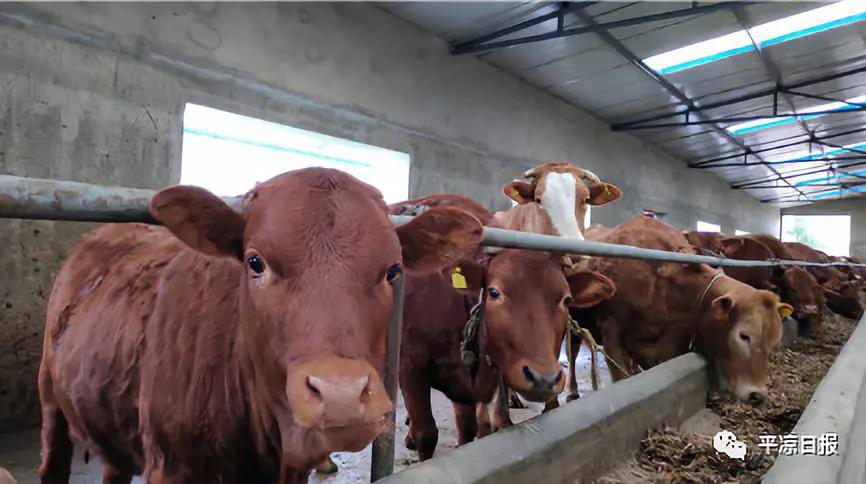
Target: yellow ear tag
(785,311)
(458,281)
(513,192)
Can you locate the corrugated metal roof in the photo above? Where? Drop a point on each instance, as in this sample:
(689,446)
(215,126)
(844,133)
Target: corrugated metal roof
(588,72)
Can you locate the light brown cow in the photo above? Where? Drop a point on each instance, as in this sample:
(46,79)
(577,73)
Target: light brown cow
(840,293)
(564,191)
(739,248)
(660,309)
(232,346)
(527,296)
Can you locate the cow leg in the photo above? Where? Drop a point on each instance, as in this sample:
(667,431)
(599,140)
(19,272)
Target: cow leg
(56,445)
(422,434)
(482,418)
(113,475)
(614,350)
(572,350)
(501,417)
(467,426)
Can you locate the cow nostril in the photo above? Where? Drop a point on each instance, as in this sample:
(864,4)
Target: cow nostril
(558,378)
(365,385)
(528,374)
(757,397)
(314,384)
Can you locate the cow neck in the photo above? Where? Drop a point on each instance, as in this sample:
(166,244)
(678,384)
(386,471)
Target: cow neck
(711,289)
(268,412)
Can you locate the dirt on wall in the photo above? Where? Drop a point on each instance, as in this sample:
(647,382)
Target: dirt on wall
(32,252)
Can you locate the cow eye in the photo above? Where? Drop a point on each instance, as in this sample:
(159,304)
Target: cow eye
(493,293)
(256,264)
(566,301)
(393,272)
(745,338)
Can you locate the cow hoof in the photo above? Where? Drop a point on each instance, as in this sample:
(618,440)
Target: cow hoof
(409,442)
(327,466)
(572,397)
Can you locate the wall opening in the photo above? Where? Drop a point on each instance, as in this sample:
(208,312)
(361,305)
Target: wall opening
(827,233)
(741,232)
(708,227)
(228,154)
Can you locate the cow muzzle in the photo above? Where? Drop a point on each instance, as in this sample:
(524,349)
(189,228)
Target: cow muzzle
(341,398)
(536,383)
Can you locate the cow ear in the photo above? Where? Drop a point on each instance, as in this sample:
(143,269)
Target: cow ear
(589,289)
(730,245)
(438,238)
(519,191)
(721,307)
(785,310)
(200,219)
(601,193)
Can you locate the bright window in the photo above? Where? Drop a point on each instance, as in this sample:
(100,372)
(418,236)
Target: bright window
(228,154)
(828,233)
(765,35)
(708,227)
(740,232)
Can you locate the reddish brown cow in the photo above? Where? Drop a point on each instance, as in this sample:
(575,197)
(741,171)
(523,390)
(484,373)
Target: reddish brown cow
(800,289)
(527,296)
(232,346)
(659,309)
(711,241)
(842,298)
(739,248)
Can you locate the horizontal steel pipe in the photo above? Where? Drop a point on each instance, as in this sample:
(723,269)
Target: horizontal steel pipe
(523,240)
(40,199)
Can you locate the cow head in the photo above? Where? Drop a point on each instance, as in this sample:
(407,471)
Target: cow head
(844,300)
(738,329)
(316,257)
(564,190)
(528,294)
(801,290)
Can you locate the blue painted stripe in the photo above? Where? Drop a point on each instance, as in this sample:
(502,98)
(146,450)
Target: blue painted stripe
(814,30)
(706,60)
(767,43)
(274,147)
(828,178)
(838,193)
(768,124)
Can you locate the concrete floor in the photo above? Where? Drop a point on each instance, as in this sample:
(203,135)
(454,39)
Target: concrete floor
(19,452)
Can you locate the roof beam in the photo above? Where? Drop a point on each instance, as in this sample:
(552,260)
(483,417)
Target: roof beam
(690,111)
(487,42)
(704,163)
(624,51)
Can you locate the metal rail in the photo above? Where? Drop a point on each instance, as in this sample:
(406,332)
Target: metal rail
(41,199)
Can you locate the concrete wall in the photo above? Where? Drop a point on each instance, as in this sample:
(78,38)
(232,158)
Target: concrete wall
(95,93)
(856,208)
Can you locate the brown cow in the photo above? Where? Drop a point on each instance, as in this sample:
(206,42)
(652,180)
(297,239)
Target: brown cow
(711,241)
(800,289)
(527,296)
(841,293)
(232,346)
(659,309)
(564,191)
(739,248)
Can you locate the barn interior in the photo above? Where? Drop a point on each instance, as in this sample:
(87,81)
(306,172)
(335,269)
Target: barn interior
(719,116)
